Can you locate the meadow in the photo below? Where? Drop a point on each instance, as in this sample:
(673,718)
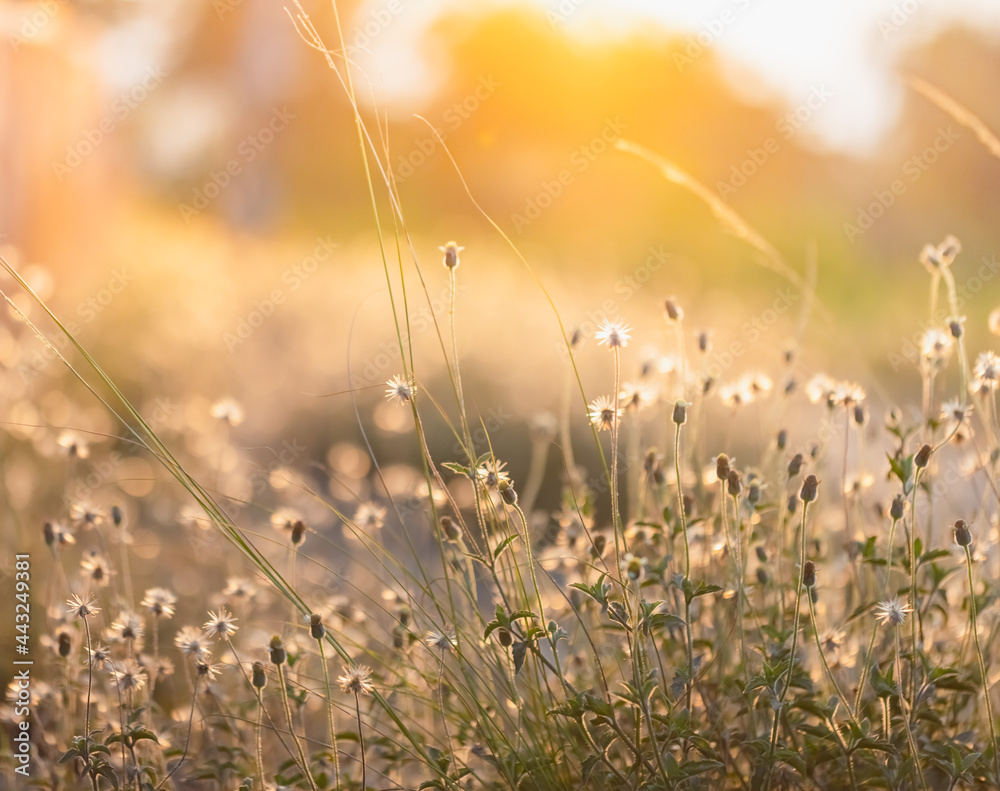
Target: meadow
(707,562)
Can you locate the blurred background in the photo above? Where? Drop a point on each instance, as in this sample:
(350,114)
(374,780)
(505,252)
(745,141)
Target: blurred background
(182,181)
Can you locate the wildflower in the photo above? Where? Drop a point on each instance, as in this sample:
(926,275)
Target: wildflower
(636,395)
(736,394)
(892,612)
(603,413)
(443,641)
(935,347)
(400,389)
(84,514)
(99,655)
(128,628)
(940,257)
(239,588)
(221,625)
(191,642)
(159,602)
(356,680)
(96,568)
(75,446)
(820,388)
(846,394)
(632,566)
(228,411)
(491,473)
(288,520)
(129,676)
(369,516)
(208,670)
(57,535)
(613,334)
(987,370)
(451,251)
(82,607)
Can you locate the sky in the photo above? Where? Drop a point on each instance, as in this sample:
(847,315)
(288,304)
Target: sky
(785,48)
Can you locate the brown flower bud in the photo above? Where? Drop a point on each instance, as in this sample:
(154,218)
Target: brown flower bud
(504,637)
(278,653)
(897,507)
(722,467)
(963,536)
(316,628)
(259,679)
(795,465)
(810,487)
(809,574)
(734,482)
(450,529)
(674,312)
(680,412)
(923,456)
(782,439)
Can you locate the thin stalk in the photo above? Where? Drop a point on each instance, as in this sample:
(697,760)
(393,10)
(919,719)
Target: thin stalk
(187,740)
(905,716)
(291,728)
(361,742)
(982,663)
(329,714)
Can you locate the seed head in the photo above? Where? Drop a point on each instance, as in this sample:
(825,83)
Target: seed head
(809,574)
(507,493)
(603,413)
(356,680)
(795,465)
(680,412)
(963,536)
(898,507)
(922,457)
(892,612)
(451,251)
(82,606)
(259,677)
(400,389)
(159,602)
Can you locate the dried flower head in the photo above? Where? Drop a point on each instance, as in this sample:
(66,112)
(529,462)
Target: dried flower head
(75,446)
(442,641)
(128,628)
(892,612)
(613,334)
(940,257)
(191,642)
(603,413)
(356,680)
(400,389)
(129,676)
(491,473)
(82,606)
(221,625)
(369,516)
(159,602)
(987,370)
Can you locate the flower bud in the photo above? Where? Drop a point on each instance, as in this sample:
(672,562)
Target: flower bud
(809,574)
(782,439)
(298,532)
(762,575)
(963,536)
(259,678)
(278,653)
(451,251)
(897,507)
(507,493)
(734,482)
(680,412)
(504,637)
(316,628)
(795,465)
(860,416)
(117,517)
(722,467)
(50,534)
(957,328)
(674,312)
(810,487)
(923,457)
(793,504)
(761,554)
(704,342)
(65,644)
(449,528)
(753,493)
